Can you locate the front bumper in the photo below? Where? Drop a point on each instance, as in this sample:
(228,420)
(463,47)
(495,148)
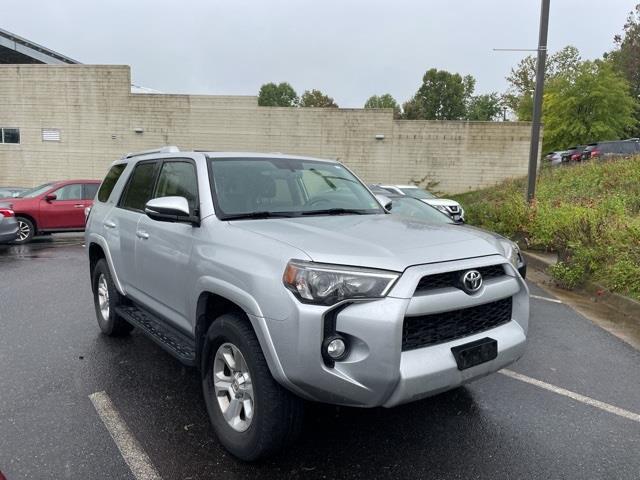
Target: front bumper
(377,372)
(8,229)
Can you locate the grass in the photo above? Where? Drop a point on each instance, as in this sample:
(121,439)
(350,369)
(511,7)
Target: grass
(588,213)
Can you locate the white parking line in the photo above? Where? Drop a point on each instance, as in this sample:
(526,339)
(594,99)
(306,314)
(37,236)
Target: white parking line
(130,449)
(554,300)
(575,396)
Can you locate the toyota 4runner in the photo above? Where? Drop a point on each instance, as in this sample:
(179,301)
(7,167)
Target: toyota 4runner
(284,279)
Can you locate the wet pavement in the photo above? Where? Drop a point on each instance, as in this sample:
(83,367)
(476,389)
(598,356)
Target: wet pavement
(52,357)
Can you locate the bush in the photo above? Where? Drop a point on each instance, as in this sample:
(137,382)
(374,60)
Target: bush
(588,213)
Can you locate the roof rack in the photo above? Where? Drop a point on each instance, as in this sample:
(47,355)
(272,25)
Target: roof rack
(167,149)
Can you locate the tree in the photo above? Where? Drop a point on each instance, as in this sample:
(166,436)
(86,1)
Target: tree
(442,96)
(626,55)
(315,98)
(383,101)
(281,95)
(485,107)
(592,104)
(522,79)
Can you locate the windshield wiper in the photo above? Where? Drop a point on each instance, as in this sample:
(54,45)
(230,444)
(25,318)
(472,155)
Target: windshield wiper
(258,215)
(336,211)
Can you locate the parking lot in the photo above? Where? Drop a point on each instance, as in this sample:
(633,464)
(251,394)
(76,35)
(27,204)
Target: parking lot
(569,409)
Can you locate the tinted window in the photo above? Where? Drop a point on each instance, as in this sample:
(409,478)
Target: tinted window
(69,192)
(140,186)
(110,181)
(90,190)
(178,179)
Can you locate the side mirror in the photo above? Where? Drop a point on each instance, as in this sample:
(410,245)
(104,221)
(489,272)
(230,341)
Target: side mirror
(384,201)
(170,209)
(51,197)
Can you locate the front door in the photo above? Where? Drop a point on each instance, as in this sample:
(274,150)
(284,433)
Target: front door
(66,211)
(163,250)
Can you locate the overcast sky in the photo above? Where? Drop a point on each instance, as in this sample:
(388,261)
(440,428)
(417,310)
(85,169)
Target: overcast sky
(350,49)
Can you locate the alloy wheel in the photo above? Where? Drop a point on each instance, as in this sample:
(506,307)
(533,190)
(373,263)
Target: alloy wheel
(233,387)
(103,297)
(23,231)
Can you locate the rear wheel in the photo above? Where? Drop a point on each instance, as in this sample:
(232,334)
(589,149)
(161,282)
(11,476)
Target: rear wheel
(106,299)
(251,414)
(26,230)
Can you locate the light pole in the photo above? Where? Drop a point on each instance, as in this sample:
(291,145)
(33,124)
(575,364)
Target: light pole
(537,96)
(537,100)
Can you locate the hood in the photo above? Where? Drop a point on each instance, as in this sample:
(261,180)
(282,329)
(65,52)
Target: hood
(440,201)
(389,242)
(16,202)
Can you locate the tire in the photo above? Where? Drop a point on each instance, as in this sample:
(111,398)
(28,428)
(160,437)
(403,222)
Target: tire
(274,418)
(26,231)
(105,299)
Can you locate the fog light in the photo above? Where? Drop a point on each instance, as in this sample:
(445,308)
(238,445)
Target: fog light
(336,348)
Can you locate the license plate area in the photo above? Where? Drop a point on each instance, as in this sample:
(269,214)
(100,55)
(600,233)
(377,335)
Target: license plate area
(474,353)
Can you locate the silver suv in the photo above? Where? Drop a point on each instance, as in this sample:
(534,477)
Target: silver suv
(283,279)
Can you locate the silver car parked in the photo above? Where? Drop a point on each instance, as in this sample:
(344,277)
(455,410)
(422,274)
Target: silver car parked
(281,278)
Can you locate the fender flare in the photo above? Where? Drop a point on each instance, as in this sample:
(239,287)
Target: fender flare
(251,308)
(102,243)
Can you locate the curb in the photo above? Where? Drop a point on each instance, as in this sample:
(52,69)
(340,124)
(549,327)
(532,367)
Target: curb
(625,305)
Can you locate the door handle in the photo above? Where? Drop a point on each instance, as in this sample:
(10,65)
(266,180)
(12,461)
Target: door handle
(109,224)
(141,234)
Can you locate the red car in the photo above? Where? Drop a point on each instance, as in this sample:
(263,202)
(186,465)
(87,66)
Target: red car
(52,207)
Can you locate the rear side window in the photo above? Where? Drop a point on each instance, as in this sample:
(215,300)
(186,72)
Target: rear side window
(90,190)
(140,188)
(178,179)
(110,181)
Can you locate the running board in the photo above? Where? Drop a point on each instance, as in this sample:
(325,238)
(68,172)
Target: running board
(173,341)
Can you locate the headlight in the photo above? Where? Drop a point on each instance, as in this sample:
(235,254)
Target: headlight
(512,252)
(442,208)
(324,284)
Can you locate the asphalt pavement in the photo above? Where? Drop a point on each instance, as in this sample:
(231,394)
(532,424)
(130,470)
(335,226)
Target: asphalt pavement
(570,410)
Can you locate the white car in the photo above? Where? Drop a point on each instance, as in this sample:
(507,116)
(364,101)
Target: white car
(445,205)
(554,158)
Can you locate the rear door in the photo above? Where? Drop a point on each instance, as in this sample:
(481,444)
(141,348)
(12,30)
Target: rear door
(66,212)
(163,249)
(122,222)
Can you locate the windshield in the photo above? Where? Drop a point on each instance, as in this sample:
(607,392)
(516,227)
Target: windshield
(417,193)
(414,208)
(34,192)
(281,187)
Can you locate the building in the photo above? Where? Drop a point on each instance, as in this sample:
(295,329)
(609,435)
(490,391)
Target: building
(62,119)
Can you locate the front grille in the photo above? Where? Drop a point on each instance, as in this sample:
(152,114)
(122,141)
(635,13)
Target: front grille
(427,330)
(452,279)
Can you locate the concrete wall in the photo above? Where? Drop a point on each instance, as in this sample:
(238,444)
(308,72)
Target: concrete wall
(96,114)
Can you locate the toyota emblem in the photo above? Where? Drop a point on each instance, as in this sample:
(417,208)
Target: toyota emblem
(471,281)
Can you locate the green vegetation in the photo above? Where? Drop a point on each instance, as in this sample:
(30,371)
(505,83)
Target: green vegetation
(281,95)
(315,98)
(442,96)
(588,213)
(383,101)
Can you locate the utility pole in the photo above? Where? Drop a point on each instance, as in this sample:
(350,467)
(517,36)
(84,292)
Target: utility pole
(537,100)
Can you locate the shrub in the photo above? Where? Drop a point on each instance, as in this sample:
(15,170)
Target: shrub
(588,213)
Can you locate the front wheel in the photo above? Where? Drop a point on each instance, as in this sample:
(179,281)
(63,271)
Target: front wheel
(26,231)
(251,414)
